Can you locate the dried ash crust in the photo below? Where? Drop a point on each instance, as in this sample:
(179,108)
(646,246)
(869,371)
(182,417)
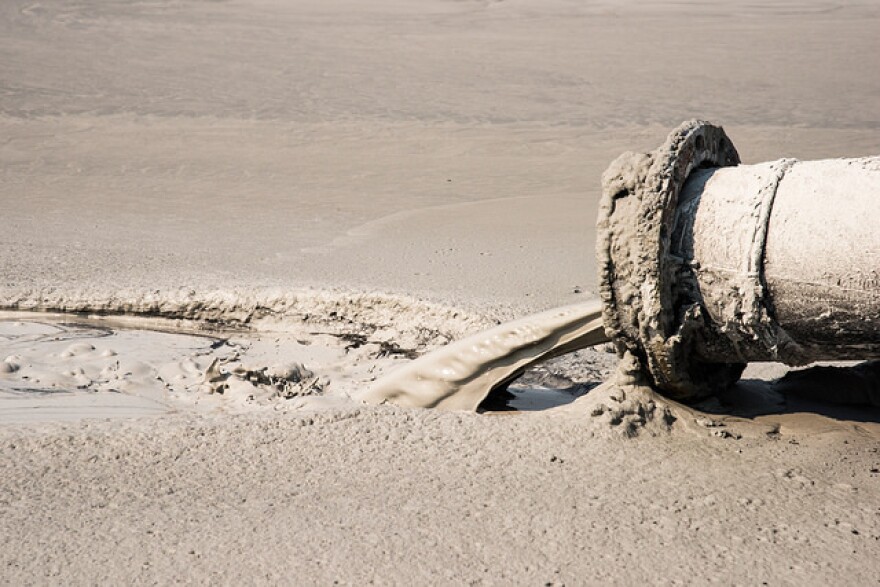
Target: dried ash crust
(637,277)
(412,322)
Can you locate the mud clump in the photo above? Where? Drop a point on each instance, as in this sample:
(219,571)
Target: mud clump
(263,383)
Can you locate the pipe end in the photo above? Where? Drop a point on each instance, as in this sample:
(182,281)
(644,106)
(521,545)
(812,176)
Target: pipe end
(645,312)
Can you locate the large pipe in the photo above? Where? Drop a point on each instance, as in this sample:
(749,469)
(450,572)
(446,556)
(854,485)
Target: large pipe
(706,264)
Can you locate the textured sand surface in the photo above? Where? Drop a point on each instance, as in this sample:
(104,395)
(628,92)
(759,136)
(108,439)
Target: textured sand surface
(344,185)
(422,497)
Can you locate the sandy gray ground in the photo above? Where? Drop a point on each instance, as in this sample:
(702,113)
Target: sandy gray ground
(419,497)
(441,150)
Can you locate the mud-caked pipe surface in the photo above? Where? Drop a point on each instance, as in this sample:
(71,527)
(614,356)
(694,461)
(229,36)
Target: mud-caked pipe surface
(706,264)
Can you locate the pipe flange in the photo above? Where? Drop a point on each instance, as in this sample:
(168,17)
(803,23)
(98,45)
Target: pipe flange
(645,312)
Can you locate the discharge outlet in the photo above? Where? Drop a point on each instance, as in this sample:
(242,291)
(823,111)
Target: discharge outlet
(706,264)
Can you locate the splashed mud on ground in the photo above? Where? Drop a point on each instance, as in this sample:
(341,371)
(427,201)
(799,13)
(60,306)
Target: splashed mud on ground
(70,366)
(57,366)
